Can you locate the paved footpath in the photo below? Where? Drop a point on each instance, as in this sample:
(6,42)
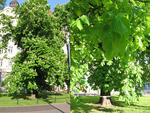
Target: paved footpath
(49,108)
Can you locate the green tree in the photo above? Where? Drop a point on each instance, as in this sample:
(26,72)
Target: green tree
(107,30)
(114,75)
(41,64)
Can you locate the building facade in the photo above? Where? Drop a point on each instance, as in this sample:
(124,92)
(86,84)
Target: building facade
(11,50)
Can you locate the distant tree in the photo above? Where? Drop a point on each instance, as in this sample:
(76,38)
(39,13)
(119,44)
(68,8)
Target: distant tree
(41,64)
(2,4)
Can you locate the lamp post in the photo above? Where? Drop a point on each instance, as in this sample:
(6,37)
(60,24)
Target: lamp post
(66,34)
(69,56)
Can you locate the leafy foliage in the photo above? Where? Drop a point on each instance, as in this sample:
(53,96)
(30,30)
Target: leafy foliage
(113,75)
(110,23)
(41,64)
(63,20)
(107,38)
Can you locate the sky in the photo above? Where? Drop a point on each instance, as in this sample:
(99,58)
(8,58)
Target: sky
(52,3)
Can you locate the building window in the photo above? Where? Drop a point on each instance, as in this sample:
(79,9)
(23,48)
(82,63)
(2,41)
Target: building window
(10,49)
(1,51)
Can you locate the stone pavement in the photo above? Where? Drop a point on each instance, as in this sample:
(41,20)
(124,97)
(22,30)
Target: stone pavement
(49,108)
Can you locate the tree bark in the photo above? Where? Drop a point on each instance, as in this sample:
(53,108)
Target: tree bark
(68,86)
(105,99)
(68,90)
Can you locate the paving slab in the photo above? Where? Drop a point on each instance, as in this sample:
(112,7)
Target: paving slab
(48,108)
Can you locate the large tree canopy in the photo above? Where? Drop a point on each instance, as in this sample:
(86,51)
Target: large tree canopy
(41,63)
(108,39)
(117,27)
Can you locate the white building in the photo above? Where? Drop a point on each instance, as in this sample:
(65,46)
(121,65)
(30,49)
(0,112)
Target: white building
(8,53)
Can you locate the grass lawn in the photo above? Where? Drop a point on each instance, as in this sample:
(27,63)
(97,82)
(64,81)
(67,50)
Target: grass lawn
(45,99)
(88,104)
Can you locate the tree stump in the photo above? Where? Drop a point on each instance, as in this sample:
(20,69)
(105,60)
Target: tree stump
(105,101)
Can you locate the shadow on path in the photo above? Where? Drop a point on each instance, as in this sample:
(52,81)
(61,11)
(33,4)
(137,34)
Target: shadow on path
(56,108)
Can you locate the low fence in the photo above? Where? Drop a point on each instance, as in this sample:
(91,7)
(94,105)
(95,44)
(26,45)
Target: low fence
(85,94)
(48,100)
(67,100)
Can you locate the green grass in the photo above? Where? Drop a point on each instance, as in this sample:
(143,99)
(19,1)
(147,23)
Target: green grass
(44,99)
(88,104)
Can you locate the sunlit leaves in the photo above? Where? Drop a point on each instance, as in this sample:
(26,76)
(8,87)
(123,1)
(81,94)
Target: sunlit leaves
(85,19)
(41,61)
(116,29)
(79,24)
(115,35)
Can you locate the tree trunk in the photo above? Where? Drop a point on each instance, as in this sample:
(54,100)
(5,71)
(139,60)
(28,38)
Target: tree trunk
(68,86)
(68,90)
(36,93)
(105,99)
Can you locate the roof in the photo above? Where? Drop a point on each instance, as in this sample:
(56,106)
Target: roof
(50,11)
